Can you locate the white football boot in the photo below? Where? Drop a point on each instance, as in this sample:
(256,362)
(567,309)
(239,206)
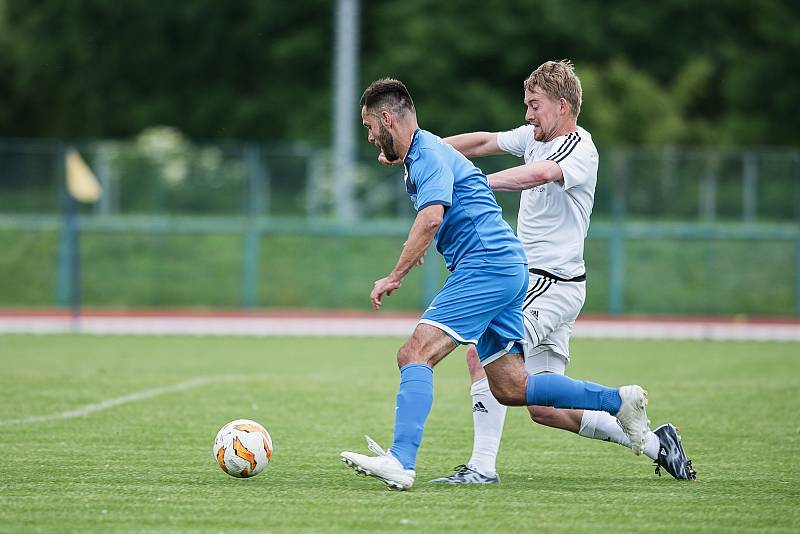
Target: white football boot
(384,466)
(632,416)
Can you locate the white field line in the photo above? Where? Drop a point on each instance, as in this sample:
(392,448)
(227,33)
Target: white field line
(89,409)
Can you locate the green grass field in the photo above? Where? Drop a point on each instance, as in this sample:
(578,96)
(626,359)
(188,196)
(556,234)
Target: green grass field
(146,465)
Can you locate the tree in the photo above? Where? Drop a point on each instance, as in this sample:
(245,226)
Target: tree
(676,71)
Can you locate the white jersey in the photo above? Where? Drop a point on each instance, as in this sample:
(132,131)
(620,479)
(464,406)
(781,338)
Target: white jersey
(554,217)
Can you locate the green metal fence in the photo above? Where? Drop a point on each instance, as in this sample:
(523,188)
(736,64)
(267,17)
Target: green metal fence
(230,262)
(249,226)
(163,173)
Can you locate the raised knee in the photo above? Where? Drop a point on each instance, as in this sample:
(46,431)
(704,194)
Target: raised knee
(507,380)
(506,399)
(505,396)
(406,356)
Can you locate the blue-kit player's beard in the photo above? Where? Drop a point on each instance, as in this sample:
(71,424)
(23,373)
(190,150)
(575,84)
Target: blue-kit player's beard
(386,144)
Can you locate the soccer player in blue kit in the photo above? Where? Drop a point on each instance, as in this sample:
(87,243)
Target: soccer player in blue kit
(481,301)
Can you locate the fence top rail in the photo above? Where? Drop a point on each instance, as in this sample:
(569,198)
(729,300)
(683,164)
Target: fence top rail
(696,230)
(205,224)
(699,153)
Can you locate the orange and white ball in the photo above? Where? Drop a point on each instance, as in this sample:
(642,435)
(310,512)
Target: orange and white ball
(243,448)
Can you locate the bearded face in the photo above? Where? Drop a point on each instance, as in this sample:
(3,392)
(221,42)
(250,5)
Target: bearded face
(386,144)
(379,135)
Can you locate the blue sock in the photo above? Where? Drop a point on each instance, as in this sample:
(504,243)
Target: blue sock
(414,402)
(548,389)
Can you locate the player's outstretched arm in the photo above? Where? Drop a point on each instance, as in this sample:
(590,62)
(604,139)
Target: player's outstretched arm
(526,176)
(419,239)
(475,144)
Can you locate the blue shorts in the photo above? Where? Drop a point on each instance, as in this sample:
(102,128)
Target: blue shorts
(482,306)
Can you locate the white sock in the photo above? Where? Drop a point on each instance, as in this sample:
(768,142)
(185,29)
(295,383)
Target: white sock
(604,426)
(651,445)
(488,417)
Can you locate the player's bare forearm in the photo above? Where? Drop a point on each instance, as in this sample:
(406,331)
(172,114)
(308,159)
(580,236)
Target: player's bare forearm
(525,176)
(419,239)
(475,144)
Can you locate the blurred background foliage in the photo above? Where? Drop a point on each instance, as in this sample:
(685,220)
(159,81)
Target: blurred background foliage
(675,71)
(209,126)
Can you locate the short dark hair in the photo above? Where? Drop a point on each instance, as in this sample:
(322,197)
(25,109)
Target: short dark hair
(387,93)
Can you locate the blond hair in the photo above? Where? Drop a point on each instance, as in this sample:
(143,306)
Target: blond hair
(557,79)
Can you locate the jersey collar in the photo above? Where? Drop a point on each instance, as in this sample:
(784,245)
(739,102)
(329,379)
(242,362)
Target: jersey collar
(414,138)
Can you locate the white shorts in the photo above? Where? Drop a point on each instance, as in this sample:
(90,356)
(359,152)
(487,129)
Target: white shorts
(550,309)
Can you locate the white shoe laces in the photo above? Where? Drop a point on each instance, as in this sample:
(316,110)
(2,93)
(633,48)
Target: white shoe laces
(374,447)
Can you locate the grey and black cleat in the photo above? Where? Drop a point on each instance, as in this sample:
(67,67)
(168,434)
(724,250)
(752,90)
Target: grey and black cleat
(671,455)
(465,474)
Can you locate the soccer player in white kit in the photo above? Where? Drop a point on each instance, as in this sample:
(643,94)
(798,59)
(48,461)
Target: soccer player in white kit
(557,184)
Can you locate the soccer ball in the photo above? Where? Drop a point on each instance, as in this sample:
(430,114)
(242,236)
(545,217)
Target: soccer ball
(243,448)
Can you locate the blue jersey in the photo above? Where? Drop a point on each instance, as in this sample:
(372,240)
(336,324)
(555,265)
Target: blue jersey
(473,231)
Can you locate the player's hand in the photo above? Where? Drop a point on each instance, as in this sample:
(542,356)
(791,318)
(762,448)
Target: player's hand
(383,161)
(381,287)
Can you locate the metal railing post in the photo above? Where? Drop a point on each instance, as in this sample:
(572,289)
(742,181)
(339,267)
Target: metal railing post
(797,275)
(708,187)
(66,240)
(256,178)
(616,268)
(749,186)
